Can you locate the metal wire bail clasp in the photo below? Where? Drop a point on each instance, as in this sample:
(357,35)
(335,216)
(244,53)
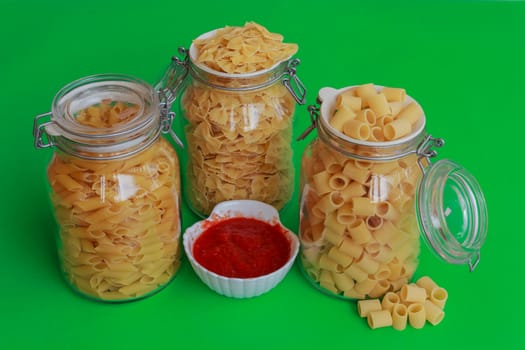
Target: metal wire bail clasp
(292,82)
(168,88)
(169,85)
(314,111)
(425,150)
(39,130)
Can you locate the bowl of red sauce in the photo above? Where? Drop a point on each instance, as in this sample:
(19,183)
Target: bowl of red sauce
(241,250)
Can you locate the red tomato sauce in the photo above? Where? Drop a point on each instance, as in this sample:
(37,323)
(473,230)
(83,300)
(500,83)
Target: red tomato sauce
(242,248)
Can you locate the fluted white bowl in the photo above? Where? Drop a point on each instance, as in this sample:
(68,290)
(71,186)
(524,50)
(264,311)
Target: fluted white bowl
(239,287)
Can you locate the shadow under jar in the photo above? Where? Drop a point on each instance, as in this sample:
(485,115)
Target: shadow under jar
(237,131)
(364,204)
(114,186)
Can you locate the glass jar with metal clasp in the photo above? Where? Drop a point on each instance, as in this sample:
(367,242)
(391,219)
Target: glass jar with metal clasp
(364,203)
(237,131)
(114,185)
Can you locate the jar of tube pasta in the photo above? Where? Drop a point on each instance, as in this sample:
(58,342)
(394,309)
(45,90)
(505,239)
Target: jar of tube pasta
(114,186)
(368,189)
(238,104)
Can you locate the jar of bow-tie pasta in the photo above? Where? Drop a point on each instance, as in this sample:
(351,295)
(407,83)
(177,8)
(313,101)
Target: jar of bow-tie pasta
(238,89)
(368,189)
(114,186)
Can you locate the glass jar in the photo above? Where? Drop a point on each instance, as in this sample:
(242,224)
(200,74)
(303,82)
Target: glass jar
(114,186)
(238,130)
(364,204)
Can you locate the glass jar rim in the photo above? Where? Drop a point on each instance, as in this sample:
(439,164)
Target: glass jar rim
(92,142)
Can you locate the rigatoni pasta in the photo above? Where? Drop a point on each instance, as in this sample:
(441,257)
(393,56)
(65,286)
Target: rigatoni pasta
(118,219)
(371,202)
(405,306)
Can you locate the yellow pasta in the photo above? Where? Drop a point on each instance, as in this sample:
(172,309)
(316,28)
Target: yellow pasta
(378,319)
(245,49)
(384,114)
(416,315)
(433,314)
(411,293)
(373,200)
(399,316)
(364,307)
(246,156)
(109,215)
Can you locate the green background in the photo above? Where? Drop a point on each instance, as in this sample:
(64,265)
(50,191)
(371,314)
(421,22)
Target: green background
(464,61)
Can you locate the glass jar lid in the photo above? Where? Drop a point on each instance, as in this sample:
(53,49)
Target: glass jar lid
(452,213)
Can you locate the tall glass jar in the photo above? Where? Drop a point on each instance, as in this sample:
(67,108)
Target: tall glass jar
(364,204)
(238,130)
(114,186)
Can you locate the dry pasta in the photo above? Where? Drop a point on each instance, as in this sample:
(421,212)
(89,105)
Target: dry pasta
(244,49)
(119,219)
(239,142)
(405,306)
(374,223)
(383,115)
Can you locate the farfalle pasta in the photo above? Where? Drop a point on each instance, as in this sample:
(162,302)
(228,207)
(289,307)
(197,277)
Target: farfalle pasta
(239,126)
(240,50)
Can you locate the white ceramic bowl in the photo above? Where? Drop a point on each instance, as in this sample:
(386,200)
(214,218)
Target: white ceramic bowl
(239,287)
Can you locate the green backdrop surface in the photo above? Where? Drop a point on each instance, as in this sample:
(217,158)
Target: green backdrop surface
(464,61)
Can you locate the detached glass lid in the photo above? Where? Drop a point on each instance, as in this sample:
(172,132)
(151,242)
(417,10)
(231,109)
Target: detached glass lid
(452,213)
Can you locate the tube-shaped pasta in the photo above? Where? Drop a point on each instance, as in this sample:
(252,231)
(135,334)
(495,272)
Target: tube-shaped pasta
(367,116)
(394,94)
(397,129)
(427,283)
(357,129)
(331,163)
(433,313)
(411,293)
(326,281)
(359,232)
(339,257)
(363,206)
(321,182)
(354,189)
(379,104)
(366,286)
(345,215)
(390,299)
(378,319)
(355,173)
(439,297)
(399,316)
(338,181)
(325,262)
(382,286)
(387,211)
(341,116)
(350,247)
(356,273)
(343,282)
(332,222)
(416,315)
(367,264)
(411,113)
(328,203)
(333,237)
(346,99)
(364,307)
(364,91)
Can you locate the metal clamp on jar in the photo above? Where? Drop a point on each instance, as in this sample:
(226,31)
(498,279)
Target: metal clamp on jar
(238,129)
(364,204)
(114,185)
